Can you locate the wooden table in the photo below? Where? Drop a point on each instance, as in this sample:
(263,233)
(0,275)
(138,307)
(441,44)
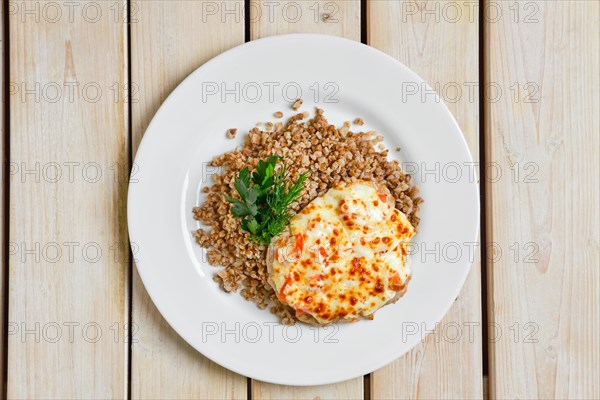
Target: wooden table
(81,85)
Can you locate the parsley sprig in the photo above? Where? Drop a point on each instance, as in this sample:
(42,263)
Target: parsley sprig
(265,198)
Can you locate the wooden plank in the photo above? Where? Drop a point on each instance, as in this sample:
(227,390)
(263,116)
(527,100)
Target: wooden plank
(68,139)
(442,47)
(542,131)
(169,41)
(351,389)
(340,18)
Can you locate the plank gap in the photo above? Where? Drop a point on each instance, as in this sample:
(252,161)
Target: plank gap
(5,196)
(363,39)
(363,22)
(486,392)
(364,29)
(482,195)
(130,163)
(247,23)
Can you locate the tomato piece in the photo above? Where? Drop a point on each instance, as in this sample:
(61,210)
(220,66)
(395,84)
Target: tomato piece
(299,241)
(396,283)
(383,197)
(316,280)
(299,246)
(323,254)
(286,282)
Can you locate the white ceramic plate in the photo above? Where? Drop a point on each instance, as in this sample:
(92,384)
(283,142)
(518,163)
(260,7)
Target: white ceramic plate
(247,85)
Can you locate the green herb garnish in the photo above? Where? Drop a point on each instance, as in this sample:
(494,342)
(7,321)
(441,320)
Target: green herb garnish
(265,198)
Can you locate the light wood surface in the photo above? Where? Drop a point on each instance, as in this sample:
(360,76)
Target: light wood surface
(444,52)
(169,41)
(70,105)
(340,18)
(67,288)
(544,299)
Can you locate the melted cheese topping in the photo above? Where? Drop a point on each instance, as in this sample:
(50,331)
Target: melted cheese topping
(345,255)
